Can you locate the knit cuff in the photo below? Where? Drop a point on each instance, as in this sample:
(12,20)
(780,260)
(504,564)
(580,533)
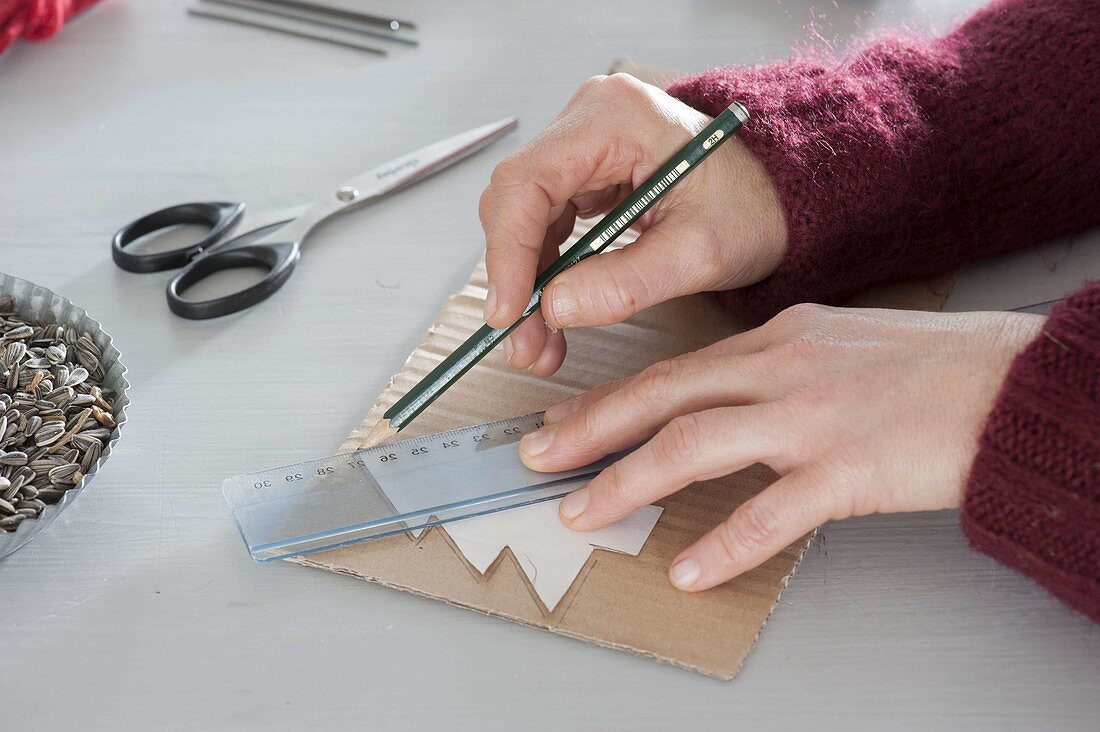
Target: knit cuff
(849,154)
(1033,496)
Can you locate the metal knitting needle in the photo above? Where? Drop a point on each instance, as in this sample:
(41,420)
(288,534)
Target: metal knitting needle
(257,6)
(1041,308)
(393,24)
(245,19)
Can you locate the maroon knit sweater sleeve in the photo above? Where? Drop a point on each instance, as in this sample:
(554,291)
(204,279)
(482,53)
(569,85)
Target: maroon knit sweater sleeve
(1033,499)
(915,155)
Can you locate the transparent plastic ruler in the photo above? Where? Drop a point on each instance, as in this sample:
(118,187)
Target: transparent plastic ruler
(388,489)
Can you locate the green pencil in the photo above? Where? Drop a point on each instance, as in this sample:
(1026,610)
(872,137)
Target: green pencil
(724,126)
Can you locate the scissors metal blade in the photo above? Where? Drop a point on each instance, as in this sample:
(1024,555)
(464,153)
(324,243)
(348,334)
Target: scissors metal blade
(419,164)
(254,220)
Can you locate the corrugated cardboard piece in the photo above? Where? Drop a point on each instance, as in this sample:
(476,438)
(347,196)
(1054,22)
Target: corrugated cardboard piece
(617,601)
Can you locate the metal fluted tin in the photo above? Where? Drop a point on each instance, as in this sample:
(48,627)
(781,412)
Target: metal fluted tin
(36,303)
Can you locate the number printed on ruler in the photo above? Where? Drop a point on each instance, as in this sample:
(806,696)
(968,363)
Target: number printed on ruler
(382,459)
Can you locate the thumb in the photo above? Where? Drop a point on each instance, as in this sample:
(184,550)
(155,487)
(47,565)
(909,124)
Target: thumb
(671,259)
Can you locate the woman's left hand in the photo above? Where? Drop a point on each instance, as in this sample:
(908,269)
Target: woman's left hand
(859,411)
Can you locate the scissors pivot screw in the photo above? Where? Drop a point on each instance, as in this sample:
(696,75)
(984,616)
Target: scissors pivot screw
(347,194)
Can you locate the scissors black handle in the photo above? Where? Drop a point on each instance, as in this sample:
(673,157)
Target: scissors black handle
(220,216)
(279,259)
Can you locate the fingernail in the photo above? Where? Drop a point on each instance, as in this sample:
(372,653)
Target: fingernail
(684,573)
(536,443)
(490,302)
(508,349)
(560,411)
(574,504)
(564,304)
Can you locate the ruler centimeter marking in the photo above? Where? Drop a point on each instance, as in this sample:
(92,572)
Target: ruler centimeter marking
(456,438)
(393,488)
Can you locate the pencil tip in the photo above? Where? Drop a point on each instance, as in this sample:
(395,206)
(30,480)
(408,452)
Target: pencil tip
(381,432)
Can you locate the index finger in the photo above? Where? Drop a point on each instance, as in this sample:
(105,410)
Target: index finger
(578,153)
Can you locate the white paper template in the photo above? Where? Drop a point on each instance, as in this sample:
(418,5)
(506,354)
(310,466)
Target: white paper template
(550,554)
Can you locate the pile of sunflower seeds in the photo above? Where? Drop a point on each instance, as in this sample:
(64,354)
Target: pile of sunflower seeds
(54,417)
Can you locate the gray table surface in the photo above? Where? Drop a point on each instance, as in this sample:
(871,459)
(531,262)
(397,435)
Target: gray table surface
(139,608)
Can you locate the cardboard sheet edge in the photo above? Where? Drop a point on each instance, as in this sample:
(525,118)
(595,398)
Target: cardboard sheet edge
(593,640)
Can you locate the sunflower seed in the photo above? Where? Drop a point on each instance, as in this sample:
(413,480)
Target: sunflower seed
(13,458)
(50,495)
(10,522)
(91,456)
(59,396)
(6,508)
(21,332)
(87,359)
(33,504)
(56,353)
(48,433)
(85,341)
(77,376)
(14,352)
(63,473)
(83,442)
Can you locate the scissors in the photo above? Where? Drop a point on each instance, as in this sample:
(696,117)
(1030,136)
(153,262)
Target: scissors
(280,233)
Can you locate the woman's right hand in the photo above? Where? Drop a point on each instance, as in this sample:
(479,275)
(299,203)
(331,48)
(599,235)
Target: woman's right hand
(721,227)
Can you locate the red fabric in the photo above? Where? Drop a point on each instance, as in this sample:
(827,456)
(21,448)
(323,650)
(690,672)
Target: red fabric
(1033,500)
(914,155)
(35,20)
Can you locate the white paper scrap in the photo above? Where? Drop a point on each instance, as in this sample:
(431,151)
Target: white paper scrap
(550,554)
